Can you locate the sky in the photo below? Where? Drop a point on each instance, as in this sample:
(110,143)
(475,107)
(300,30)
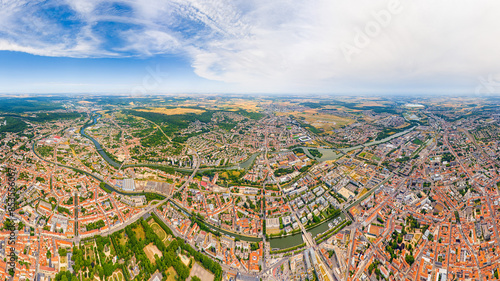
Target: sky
(250,46)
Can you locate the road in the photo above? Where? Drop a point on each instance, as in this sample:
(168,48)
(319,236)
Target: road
(153,206)
(471,249)
(493,187)
(306,235)
(445,138)
(138,215)
(484,190)
(373,247)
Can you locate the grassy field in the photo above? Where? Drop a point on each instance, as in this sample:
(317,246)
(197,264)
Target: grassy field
(172,111)
(89,250)
(171,274)
(118,275)
(90,254)
(139,232)
(363,192)
(123,240)
(158,231)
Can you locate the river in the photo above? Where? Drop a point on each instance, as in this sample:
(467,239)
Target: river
(243,165)
(322,227)
(278,242)
(330,154)
(109,187)
(97,144)
(287,241)
(221,230)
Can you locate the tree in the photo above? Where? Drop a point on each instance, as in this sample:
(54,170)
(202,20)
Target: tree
(409,259)
(62,252)
(195,278)
(49,254)
(316,219)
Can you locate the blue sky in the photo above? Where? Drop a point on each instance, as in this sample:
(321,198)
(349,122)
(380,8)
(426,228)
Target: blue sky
(246,46)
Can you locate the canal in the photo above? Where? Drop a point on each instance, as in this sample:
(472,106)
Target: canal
(322,227)
(216,228)
(287,241)
(278,242)
(107,186)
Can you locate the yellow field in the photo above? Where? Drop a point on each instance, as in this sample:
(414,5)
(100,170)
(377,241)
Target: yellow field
(327,122)
(151,250)
(248,105)
(416,238)
(236,104)
(171,274)
(139,232)
(363,192)
(406,124)
(371,103)
(122,240)
(234,173)
(272,231)
(172,111)
(185,260)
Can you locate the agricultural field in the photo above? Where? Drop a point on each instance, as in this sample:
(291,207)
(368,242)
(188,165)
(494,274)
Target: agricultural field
(322,121)
(173,111)
(248,105)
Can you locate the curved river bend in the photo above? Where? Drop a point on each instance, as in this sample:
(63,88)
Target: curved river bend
(276,243)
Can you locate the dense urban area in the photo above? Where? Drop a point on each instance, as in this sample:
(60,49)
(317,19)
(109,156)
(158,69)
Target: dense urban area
(212,187)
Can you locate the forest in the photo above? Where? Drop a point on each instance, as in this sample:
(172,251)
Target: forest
(90,258)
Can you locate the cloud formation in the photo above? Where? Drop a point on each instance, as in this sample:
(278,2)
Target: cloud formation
(280,45)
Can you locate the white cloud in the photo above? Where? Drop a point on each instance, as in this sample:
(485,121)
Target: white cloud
(276,45)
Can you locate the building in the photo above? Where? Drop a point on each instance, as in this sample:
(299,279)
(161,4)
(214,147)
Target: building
(128,185)
(134,201)
(273,224)
(156,277)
